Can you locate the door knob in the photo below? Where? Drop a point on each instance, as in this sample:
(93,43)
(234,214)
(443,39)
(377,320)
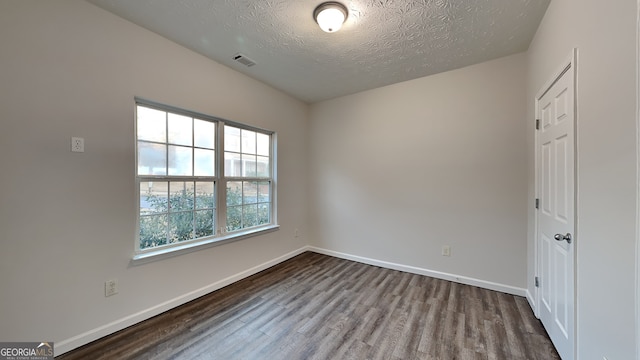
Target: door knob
(561,237)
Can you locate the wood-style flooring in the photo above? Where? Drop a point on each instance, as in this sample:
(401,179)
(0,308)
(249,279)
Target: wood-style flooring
(320,307)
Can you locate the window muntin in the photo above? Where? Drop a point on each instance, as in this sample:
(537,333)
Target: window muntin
(183,198)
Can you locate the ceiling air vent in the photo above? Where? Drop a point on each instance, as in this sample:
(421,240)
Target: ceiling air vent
(243,59)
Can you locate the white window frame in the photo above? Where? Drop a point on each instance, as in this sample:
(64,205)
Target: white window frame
(221,235)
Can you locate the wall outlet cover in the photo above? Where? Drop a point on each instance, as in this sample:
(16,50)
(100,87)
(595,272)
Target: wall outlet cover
(110,287)
(77,144)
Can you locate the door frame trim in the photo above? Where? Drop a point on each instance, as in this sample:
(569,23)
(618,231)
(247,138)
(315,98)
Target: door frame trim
(638,179)
(569,64)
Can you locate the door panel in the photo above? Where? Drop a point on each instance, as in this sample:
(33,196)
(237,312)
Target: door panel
(545,272)
(546,179)
(562,197)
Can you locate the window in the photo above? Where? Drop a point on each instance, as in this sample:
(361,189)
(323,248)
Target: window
(201,179)
(247,169)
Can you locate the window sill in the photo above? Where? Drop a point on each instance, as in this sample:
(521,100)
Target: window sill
(163,253)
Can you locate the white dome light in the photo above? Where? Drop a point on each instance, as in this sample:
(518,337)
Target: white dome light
(330,16)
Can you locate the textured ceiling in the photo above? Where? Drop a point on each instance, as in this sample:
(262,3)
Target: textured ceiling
(381,43)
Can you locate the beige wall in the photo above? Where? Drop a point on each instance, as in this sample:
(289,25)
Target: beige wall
(401,170)
(605,34)
(67,220)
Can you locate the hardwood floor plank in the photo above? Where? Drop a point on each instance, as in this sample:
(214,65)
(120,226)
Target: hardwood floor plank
(320,307)
(428,339)
(474,322)
(410,337)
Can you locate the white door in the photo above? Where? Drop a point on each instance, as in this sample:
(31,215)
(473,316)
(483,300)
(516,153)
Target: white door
(556,223)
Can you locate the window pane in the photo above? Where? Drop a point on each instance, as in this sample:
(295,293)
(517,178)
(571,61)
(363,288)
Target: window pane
(205,198)
(180,130)
(181,196)
(234,218)
(250,216)
(205,162)
(177,156)
(263,144)
(263,166)
(152,159)
(264,190)
(249,192)
(153,197)
(248,142)
(153,231)
(232,164)
(152,124)
(234,193)
(181,226)
(180,160)
(249,165)
(263,214)
(204,133)
(231,139)
(204,220)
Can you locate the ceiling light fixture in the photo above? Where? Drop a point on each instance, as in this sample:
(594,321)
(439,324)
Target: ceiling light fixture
(330,16)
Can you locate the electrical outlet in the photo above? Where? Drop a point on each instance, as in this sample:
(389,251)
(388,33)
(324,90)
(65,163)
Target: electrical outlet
(446,250)
(296,233)
(77,144)
(110,287)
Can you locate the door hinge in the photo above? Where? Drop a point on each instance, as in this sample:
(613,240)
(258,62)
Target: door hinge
(537,124)
(537,203)
(537,281)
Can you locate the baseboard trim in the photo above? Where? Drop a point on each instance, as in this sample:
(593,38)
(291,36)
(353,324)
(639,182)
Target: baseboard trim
(110,328)
(421,271)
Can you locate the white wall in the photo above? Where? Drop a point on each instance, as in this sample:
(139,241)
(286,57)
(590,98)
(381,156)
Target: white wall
(401,170)
(605,34)
(67,220)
